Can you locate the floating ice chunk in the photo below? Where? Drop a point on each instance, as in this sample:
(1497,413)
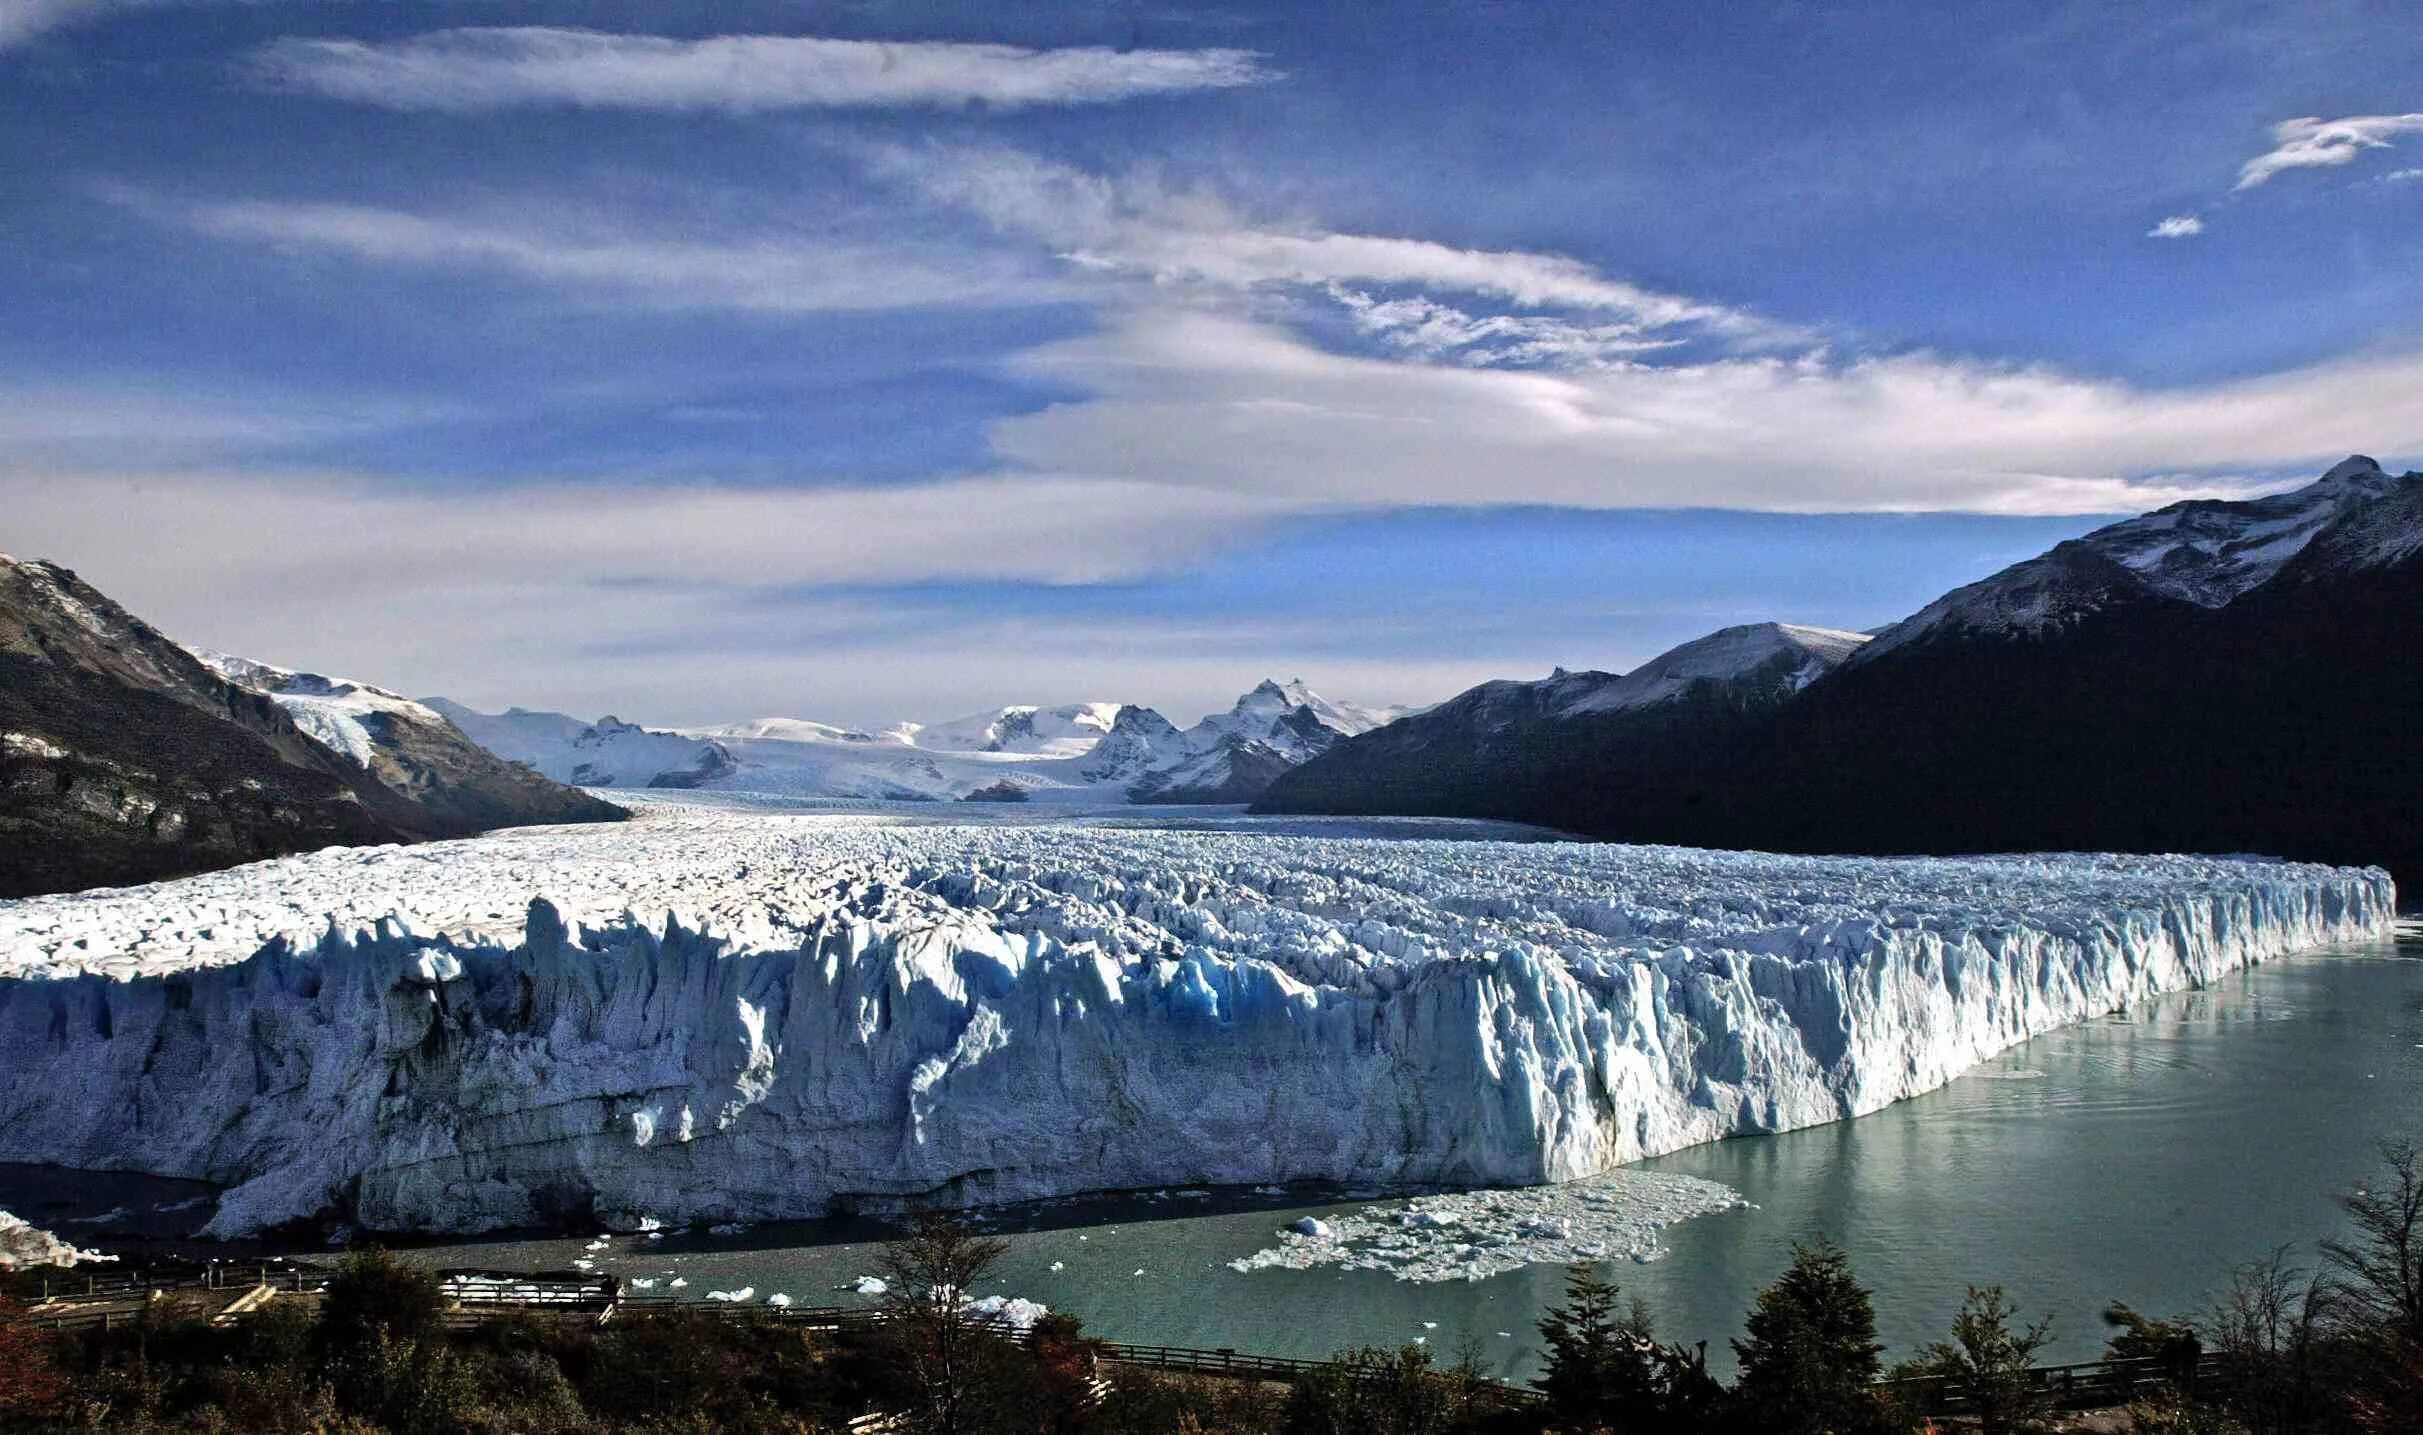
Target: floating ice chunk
(728,1228)
(23,1244)
(643,1283)
(1471,1235)
(1010,1312)
(677,1282)
(870,1285)
(1059,1265)
(734,1297)
(778,1300)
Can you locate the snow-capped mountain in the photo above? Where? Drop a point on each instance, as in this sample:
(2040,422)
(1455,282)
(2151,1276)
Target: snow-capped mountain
(2232,677)
(1070,731)
(339,712)
(125,758)
(1140,741)
(1094,752)
(412,750)
(1493,749)
(1775,659)
(2204,552)
(1236,755)
(605,753)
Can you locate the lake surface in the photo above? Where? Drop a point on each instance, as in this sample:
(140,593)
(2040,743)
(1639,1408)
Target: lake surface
(2133,1158)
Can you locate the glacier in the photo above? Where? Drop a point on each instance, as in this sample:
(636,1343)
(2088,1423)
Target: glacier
(711,1016)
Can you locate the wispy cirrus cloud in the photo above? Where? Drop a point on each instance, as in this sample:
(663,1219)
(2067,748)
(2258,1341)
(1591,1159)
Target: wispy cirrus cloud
(1197,399)
(2314,143)
(761,272)
(2177,226)
(1431,329)
(475,69)
(1139,227)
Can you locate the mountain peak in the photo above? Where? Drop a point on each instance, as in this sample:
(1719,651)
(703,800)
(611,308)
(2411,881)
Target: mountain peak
(2206,552)
(1792,651)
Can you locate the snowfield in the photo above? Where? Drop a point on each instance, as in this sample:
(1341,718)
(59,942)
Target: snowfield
(720,1016)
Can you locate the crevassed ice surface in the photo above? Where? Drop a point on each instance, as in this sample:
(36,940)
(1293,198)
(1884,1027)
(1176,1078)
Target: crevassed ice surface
(736,1016)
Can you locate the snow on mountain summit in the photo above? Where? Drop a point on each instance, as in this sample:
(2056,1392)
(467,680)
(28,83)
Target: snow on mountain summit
(1088,752)
(336,711)
(2202,551)
(1726,655)
(1069,731)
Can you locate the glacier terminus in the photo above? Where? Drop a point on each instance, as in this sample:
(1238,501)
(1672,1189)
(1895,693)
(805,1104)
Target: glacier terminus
(714,1016)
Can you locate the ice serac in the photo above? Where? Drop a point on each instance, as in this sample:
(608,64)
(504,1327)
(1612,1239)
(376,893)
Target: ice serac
(713,1017)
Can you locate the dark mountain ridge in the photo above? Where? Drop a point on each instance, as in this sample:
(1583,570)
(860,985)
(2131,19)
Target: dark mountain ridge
(2211,677)
(125,758)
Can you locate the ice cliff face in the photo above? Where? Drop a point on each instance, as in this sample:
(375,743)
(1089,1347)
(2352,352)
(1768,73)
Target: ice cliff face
(717,1017)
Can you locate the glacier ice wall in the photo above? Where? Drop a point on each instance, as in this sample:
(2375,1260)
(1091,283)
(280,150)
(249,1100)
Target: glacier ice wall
(703,1016)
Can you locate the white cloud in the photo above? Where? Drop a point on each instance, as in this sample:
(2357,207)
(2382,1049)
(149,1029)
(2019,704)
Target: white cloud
(2177,226)
(1434,330)
(2311,143)
(22,20)
(1206,400)
(2402,176)
(70,426)
(1136,226)
(769,273)
(497,68)
(589,595)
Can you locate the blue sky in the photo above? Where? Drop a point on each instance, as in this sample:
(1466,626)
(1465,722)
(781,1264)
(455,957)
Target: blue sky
(868,361)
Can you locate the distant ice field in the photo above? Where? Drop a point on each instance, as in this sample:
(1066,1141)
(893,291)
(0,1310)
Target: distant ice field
(714,1013)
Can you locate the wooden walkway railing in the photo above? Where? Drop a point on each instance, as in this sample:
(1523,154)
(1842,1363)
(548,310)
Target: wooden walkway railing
(2088,1385)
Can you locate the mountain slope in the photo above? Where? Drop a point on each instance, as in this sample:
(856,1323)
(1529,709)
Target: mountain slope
(2213,677)
(1236,755)
(124,758)
(1509,749)
(2203,553)
(456,786)
(606,753)
(1092,752)
(2282,719)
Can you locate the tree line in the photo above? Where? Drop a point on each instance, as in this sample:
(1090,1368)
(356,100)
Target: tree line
(2334,1348)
